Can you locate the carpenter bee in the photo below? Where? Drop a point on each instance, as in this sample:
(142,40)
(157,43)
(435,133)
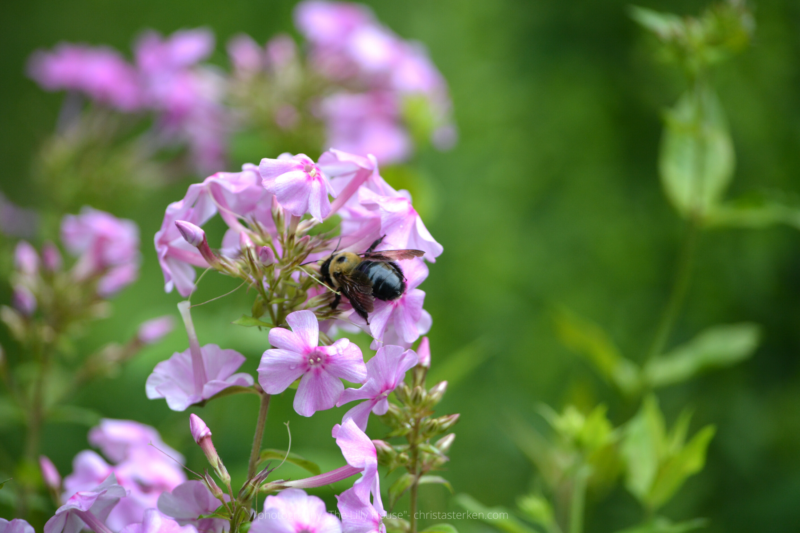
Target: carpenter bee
(364,277)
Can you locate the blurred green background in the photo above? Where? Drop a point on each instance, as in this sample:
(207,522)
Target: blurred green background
(551,197)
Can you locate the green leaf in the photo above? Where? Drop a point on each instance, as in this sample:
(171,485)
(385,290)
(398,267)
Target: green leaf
(399,487)
(270,454)
(679,467)
(440,528)
(537,508)
(74,414)
(665,25)
(641,448)
(662,525)
(696,159)
(756,210)
(233,390)
(424,480)
(249,322)
(719,346)
(503,519)
(590,341)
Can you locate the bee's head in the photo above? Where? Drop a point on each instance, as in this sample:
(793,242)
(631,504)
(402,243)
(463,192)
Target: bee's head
(343,262)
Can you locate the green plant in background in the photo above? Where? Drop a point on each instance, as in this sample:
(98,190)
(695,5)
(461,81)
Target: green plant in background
(586,453)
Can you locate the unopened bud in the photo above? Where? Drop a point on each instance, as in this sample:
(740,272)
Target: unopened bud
(26,260)
(403,393)
(444,444)
(191,233)
(418,395)
(266,255)
(245,241)
(436,393)
(251,486)
(212,486)
(156,329)
(23,300)
(424,352)
(51,477)
(51,257)
(278,216)
(202,436)
(446,422)
(386,453)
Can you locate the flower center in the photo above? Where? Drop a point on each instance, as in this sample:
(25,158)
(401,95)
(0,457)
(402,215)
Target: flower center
(310,169)
(316,359)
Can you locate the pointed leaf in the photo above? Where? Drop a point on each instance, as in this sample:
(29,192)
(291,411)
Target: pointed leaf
(696,159)
(436,479)
(503,519)
(398,488)
(590,341)
(641,448)
(674,472)
(270,454)
(718,346)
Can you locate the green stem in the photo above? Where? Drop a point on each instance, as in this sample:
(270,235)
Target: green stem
(680,286)
(255,453)
(577,502)
(414,450)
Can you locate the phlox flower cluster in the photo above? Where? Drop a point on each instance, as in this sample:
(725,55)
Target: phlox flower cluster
(356,84)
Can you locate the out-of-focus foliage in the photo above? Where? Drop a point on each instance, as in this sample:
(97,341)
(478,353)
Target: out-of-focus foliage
(552,196)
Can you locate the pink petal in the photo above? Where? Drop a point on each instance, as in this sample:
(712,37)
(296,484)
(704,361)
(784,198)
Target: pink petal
(306,326)
(318,391)
(279,369)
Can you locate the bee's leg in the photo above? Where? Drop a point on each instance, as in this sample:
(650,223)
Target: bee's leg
(336,300)
(374,245)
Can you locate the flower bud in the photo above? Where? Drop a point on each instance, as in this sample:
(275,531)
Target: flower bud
(444,444)
(266,255)
(23,300)
(386,453)
(51,257)
(212,486)
(245,241)
(202,436)
(156,329)
(26,260)
(418,395)
(52,479)
(436,393)
(193,234)
(403,393)
(446,422)
(424,352)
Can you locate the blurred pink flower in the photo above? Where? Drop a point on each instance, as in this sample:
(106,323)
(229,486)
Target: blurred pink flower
(155,522)
(189,500)
(245,54)
(384,372)
(155,329)
(105,244)
(17,525)
(87,509)
(329,23)
(26,260)
(297,354)
(23,300)
(174,379)
(50,475)
(116,438)
(294,511)
(16,221)
(51,257)
(99,72)
(298,184)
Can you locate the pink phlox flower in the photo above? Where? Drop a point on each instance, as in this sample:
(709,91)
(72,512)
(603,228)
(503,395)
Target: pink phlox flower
(245,54)
(358,516)
(106,245)
(281,51)
(17,525)
(155,329)
(87,509)
(155,522)
(180,50)
(294,511)
(26,260)
(401,224)
(384,372)
(330,23)
(297,354)
(116,439)
(173,379)
(187,502)
(241,195)
(298,184)
(424,352)
(367,123)
(176,256)
(99,72)
(359,452)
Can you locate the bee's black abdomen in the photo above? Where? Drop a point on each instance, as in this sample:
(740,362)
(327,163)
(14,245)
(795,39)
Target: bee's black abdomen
(386,277)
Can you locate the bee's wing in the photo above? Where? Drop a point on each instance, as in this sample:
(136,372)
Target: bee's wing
(358,289)
(393,255)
